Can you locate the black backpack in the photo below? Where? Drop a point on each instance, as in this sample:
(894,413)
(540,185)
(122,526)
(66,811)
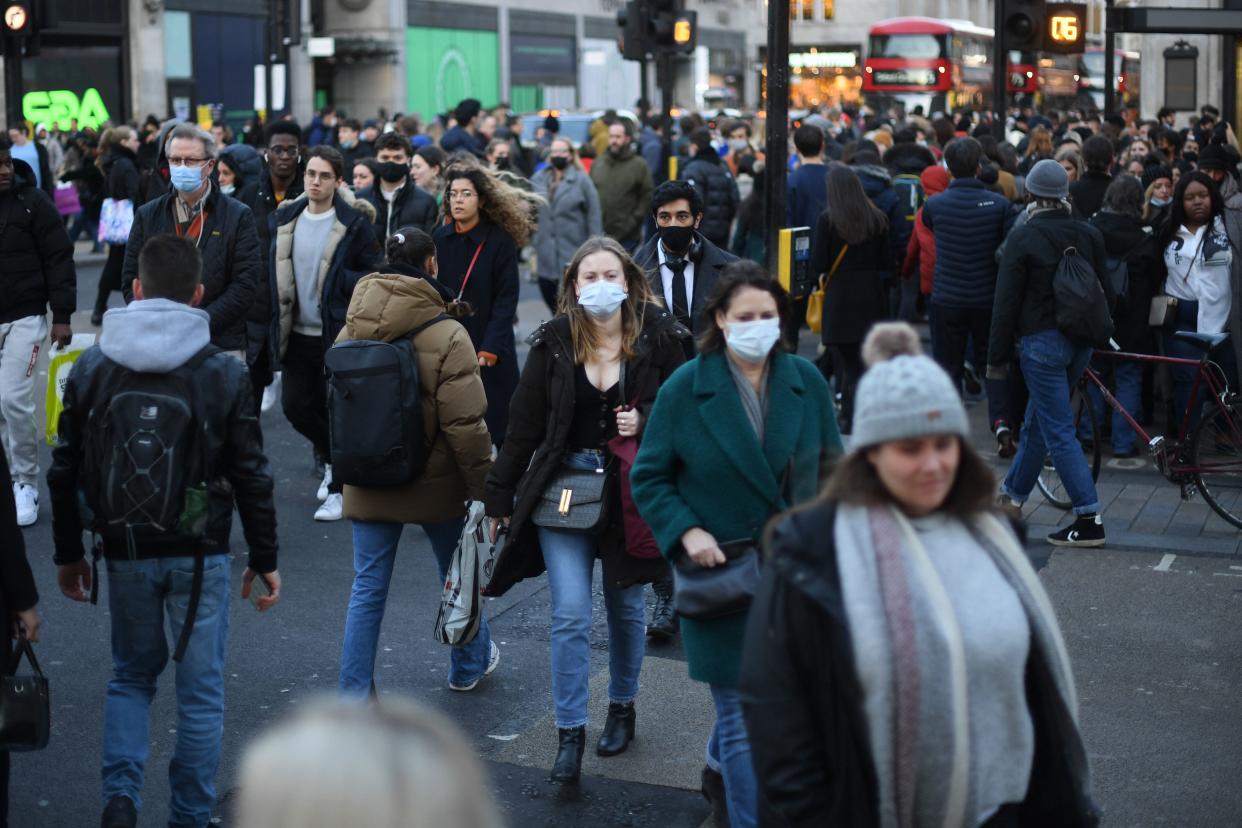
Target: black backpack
(1117,271)
(145,465)
(375,416)
(1081,304)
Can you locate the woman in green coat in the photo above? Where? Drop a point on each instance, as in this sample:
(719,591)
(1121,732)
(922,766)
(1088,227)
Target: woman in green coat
(738,434)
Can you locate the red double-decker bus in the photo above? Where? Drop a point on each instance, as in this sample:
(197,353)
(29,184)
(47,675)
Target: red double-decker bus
(940,65)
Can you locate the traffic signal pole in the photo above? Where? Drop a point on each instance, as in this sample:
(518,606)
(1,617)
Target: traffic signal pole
(12,80)
(1110,57)
(777,149)
(1000,67)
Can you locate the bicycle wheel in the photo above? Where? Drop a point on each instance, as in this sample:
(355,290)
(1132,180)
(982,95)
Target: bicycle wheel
(1049,481)
(1217,459)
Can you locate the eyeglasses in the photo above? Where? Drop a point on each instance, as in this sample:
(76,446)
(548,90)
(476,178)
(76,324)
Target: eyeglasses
(460,195)
(187,162)
(282,150)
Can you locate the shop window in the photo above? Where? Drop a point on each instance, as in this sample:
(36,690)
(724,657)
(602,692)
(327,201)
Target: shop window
(178,45)
(828,9)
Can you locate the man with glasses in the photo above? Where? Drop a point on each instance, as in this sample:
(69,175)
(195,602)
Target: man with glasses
(280,180)
(323,246)
(37,271)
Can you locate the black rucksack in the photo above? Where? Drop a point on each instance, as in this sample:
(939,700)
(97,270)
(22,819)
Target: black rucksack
(1081,304)
(1117,271)
(375,416)
(145,464)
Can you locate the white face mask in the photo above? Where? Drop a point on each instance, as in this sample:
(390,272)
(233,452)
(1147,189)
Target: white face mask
(601,299)
(738,144)
(753,341)
(228,189)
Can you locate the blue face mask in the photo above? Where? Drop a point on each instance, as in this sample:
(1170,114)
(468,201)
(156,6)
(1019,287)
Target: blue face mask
(185,179)
(601,299)
(1160,202)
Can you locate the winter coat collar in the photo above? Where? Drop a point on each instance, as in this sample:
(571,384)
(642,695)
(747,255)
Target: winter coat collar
(873,171)
(971,183)
(387,306)
(403,269)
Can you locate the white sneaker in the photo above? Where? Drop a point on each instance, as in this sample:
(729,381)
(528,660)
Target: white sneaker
(271,396)
(332,509)
(322,494)
(27,498)
(493,661)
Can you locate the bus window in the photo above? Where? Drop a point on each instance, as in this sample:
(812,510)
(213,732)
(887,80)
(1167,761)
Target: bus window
(916,46)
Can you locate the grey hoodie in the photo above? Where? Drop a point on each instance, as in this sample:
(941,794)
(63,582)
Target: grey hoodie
(154,335)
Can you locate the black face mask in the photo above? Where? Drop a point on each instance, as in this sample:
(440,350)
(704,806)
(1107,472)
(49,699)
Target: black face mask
(392,172)
(502,163)
(676,239)
(559,161)
(1192,157)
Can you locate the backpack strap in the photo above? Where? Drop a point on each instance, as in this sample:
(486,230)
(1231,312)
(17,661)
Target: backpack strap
(426,325)
(196,585)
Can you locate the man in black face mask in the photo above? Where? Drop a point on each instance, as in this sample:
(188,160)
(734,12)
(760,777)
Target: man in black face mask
(397,200)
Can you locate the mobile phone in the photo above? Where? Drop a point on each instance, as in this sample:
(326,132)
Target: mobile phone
(259,588)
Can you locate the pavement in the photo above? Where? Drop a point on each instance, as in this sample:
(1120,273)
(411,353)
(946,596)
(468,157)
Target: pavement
(1151,622)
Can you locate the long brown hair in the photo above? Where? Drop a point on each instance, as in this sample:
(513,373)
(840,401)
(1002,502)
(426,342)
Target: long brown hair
(499,203)
(855,480)
(583,331)
(852,215)
(1040,143)
(112,137)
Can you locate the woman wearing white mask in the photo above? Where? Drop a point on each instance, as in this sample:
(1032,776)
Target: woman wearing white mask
(591,376)
(741,432)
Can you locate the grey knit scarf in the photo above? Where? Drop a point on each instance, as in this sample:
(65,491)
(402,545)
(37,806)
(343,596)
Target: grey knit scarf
(882,563)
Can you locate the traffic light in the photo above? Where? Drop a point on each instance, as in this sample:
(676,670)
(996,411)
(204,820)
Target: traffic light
(1066,28)
(19,18)
(673,29)
(633,22)
(1023,28)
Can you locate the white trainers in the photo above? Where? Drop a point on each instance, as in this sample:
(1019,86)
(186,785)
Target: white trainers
(332,509)
(271,396)
(493,661)
(27,498)
(322,494)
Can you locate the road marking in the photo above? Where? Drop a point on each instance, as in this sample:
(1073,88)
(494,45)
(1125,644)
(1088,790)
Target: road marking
(1165,562)
(1231,566)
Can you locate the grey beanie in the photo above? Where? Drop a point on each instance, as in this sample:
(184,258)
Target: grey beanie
(1048,179)
(903,394)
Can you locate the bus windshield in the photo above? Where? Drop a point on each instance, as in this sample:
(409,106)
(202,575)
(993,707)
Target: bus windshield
(1093,64)
(916,46)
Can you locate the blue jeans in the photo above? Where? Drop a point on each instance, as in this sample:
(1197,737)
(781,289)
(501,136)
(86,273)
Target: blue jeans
(375,552)
(141,595)
(570,560)
(1128,389)
(1184,375)
(729,748)
(1051,365)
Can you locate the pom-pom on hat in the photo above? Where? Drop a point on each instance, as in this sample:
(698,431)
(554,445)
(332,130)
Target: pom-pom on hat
(903,394)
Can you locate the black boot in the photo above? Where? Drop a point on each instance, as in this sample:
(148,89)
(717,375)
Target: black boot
(663,624)
(119,813)
(618,730)
(568,765)
(714,792)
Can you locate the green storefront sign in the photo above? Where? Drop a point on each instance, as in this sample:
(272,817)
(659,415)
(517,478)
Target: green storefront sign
(61,107)
(445,65)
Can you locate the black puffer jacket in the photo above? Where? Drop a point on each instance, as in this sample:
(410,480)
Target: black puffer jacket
(716,185)
(1024,302)
(412,206)
(36,251)
(540,418)
(121,179)
(232,261)
(234,445)
(17,586)
(1128,237)
(804,703)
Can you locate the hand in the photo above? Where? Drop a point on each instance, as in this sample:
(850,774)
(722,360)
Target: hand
(494,532)
(702,547)
(273,581)
(27,624)
(75,580)
(61,334)
(483,363)
(628,420)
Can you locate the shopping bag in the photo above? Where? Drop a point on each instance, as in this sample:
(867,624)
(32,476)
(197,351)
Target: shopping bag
(116,217)
(59,366)
(457,621)
(67,201)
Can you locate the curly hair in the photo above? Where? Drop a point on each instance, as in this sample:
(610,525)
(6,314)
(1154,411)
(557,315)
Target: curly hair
(502,205)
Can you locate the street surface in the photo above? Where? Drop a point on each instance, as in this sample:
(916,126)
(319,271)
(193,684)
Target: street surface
(1152,623)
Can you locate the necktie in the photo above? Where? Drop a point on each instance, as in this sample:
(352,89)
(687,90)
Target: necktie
(681,302)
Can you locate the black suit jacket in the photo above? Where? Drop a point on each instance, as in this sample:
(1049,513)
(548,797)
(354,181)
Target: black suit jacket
(707,265)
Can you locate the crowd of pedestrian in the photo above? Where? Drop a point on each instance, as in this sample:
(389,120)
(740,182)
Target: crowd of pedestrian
(662,423)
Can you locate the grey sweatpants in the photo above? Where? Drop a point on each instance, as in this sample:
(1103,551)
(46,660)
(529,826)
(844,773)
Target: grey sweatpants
(20,342)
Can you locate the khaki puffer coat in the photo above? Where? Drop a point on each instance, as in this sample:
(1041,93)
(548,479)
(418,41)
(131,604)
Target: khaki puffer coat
(386,306)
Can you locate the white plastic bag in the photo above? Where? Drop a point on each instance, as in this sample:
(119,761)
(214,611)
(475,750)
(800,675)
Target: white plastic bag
(461,610)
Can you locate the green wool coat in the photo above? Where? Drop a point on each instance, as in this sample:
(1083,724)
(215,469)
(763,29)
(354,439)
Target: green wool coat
(701,465)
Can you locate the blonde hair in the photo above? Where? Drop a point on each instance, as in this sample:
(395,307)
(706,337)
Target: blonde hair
(110,139)
(394,765)
(583,332)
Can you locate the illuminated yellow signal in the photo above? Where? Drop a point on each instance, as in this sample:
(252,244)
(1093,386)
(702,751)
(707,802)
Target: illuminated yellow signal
(1064,28)
(682,32)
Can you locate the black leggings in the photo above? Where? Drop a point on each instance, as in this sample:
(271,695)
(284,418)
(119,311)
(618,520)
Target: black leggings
(110,278)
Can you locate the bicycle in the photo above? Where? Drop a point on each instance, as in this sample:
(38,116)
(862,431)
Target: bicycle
(1206,456)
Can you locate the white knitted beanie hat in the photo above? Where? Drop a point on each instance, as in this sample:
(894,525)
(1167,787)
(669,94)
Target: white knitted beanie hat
(903,394)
